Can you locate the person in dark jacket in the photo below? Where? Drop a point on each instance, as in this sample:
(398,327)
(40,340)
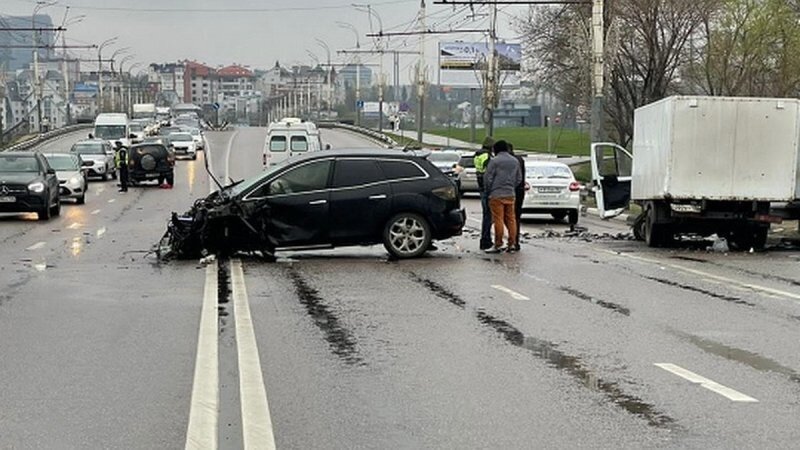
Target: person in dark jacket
(503,175)
(121,159)
(519,193)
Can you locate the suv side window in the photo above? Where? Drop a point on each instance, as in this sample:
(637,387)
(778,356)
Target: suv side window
(400,170)
(306,178)
(356,172)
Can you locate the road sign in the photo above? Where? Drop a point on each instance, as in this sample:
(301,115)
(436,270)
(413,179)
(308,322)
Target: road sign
(216,105)
(360,104)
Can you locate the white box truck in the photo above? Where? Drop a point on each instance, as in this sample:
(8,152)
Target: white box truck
(704,165)
(144,111)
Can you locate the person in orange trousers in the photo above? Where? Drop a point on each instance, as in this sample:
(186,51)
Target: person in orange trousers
(503,175)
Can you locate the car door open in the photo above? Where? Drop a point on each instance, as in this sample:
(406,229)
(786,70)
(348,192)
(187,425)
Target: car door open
(611,174)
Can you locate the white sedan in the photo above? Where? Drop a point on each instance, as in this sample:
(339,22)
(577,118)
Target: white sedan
(552,189)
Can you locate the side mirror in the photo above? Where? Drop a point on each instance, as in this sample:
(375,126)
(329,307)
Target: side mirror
(131,136)
(51,171)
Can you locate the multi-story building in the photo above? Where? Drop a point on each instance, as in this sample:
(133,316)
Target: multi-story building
(170,79)
(235,80)
(201,83)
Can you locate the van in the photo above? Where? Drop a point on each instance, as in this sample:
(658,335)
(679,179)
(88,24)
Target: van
(113,127)
(289,138)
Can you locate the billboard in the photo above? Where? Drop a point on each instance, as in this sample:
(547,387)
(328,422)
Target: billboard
(461,64)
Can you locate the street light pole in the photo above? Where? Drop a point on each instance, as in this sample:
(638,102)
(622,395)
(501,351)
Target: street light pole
(598,72)
(37,82)
(100,73)
(122,82)
(358,72)
(327,49)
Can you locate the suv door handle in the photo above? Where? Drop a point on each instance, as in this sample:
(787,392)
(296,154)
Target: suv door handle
(318,202)
(378,197)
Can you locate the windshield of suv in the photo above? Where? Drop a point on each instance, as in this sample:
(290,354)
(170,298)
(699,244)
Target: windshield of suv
(94,148)
(18,164)
(109,132)
(63,162)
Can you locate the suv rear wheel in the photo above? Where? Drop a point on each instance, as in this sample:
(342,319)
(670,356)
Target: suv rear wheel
(407,235)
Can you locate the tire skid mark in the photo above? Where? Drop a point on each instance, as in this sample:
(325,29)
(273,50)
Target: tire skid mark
(619,309)
(340,339)
(686,287)
(439,290)
(573,366)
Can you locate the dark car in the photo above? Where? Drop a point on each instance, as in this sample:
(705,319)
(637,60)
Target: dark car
(28,184)
(151,161)
(327,199)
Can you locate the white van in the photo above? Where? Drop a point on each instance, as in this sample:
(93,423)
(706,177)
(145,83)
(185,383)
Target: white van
(288,138)
(113,127)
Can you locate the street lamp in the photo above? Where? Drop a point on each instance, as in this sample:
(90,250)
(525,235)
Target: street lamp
(129,107)
(122,81)
(100,72)
(37,83)
(119,51)
(358,70)
(379,46)
(327,49)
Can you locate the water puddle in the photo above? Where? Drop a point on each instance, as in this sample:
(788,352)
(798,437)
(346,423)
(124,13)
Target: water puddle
(439,290)
(698,290)
(573,366)
(588,298)
(341,341)
(745,357)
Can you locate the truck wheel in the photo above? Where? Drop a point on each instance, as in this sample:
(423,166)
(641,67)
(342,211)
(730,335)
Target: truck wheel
(750,236)
(656,235)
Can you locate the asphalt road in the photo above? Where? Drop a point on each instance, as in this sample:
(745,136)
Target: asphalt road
(583,339)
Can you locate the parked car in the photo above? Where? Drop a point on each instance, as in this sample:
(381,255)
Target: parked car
(324,200)
(199,138)
(151,162)
(28,184)
(553,190)
(100,153)
(469,177)
(183,144)
(447,161)
(71,175)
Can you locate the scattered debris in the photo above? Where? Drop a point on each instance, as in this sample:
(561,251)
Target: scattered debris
(719,244)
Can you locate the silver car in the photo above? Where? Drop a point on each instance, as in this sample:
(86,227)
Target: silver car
(71,175)
(100,153)
(552,189)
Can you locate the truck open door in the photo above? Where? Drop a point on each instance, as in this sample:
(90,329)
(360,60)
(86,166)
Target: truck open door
(611,174)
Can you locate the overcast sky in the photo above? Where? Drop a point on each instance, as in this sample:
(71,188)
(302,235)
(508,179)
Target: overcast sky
(255,33)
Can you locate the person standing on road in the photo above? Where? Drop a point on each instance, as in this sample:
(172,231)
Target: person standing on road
(503,175)
(121,162)
(481,161)
(519,194)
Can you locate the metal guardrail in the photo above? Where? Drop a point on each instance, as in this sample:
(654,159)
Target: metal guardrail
(44,137)
(372,134)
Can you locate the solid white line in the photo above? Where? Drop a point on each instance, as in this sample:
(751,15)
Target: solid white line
(202,430)
(515,295)
(752,287)
(256,422)
(95,212)
(730,394)
(101,232)
(74,226)
(36,246)
(112,200)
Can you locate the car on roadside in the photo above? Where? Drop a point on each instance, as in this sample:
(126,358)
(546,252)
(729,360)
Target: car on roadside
(100,153)
(324,200)
(28,184)
(469,176)
(199,138)
(552,189)
(151,162)
(447,161)
(71,174)
(183,144)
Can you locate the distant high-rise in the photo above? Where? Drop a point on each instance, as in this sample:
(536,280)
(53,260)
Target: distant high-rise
(12,59)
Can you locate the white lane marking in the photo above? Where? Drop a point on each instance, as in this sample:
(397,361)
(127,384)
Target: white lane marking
(101,232)
(95,212)
(40,266)
(515,295)
(713,386)
(112,200)
(752,287)
(36,246)
(203,414)
(256,422)
(74,226)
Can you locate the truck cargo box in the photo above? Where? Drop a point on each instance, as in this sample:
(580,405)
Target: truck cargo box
(717,148)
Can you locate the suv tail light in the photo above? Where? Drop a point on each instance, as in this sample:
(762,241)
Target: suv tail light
(446,193)
(574,186)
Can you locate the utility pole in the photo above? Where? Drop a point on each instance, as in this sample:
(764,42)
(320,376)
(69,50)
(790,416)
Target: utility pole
(421,75)
(598,72)
(492,89)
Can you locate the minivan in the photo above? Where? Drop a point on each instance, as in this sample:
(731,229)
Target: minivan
(289,138)
(113,127)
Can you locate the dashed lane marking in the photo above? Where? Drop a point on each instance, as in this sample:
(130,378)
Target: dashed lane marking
(515,295)
(36,246)
(256,422)
(112,200)
(203,413)
(713,386)
(101,232)
(74,225)
(95,212)
(734,283)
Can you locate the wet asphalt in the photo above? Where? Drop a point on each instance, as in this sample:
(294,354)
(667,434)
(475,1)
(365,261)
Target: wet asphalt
(554,347)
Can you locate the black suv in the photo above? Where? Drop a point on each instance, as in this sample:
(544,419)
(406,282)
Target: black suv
(28,184)
(328,199)
(151,161)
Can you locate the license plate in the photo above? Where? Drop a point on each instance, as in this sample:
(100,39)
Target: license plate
(549,190)
(8,199)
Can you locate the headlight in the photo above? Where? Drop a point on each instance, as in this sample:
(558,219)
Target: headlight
(36,187)
(75,181)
